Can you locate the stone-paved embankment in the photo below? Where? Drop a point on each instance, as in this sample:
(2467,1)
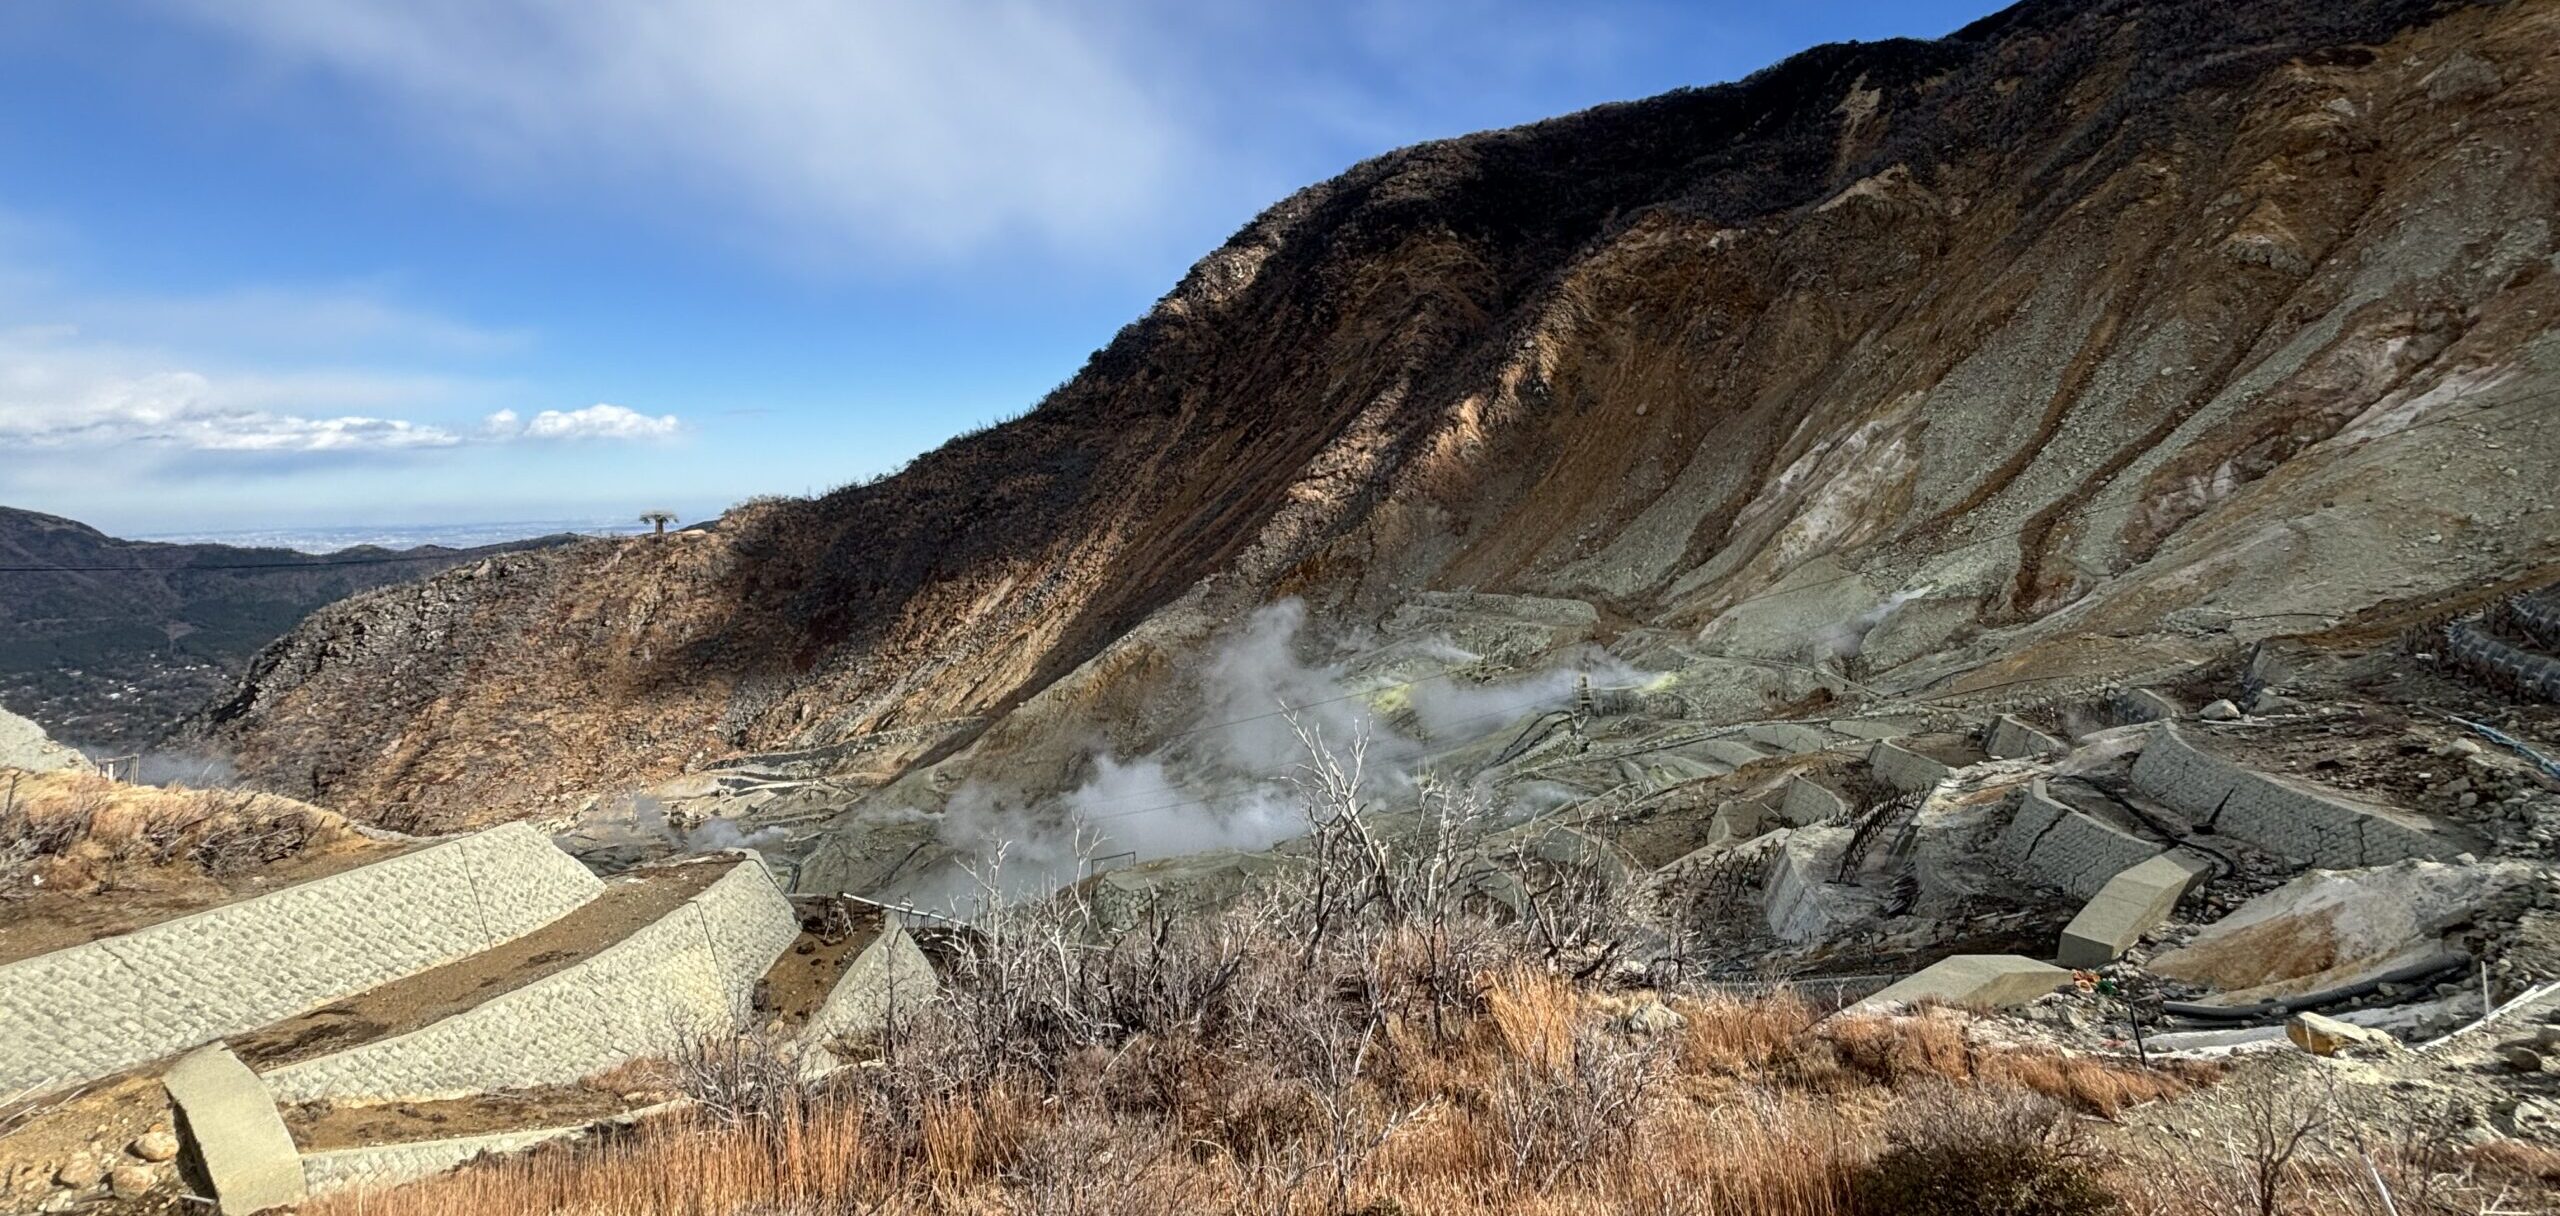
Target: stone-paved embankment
(690,973)
(93,1009)
(2292,818)
(2060,846)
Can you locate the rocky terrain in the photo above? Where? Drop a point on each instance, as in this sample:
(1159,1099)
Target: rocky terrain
(2019,570)
(110,642)
(2096,339)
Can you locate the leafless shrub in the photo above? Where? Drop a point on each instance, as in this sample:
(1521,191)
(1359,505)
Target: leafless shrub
(737,1080)
(1559,1113)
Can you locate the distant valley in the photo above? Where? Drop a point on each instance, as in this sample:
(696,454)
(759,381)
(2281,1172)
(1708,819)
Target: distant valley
(108,642)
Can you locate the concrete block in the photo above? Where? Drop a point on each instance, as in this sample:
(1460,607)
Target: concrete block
(2011,738)
(1905,770)
(1810,802)
(1998,981)
(1787,737)
(2144,705)
(228,1122)
(891,975)
(1731,751)
(2131,904)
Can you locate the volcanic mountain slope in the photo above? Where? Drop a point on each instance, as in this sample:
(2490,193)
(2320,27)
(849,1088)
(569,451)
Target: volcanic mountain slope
(2098,333)
(110,642)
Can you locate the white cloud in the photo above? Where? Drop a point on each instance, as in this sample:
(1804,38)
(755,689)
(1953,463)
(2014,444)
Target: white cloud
(599,421)
(59,389)
(885,129)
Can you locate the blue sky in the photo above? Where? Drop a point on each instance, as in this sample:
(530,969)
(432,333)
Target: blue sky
(269,263)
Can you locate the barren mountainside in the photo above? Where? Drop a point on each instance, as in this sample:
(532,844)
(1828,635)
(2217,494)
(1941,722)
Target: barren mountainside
(2095,336)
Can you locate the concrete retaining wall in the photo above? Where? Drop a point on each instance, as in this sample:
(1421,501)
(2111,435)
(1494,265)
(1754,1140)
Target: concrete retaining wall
(2143,705)
(1810,802)
(2060,847)
(2293,818)
(2010,738)
(1787,737)
(1905,770)
(890,974)
(692,972)
(2534,674)
(2538,615)
(380,1165)
(1732,752)
(92,1009)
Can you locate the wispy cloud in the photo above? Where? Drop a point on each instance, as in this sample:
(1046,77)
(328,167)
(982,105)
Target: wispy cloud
(888,130)
(599,421)
(62,390)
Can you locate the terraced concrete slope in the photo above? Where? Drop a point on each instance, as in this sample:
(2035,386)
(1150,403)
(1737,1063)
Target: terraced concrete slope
(91,1009)
(2095,329)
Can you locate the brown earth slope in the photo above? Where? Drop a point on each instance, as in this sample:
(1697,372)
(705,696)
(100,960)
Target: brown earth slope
(2098,317)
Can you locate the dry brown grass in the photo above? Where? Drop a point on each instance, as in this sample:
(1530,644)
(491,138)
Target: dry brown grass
(1363,1042)
(1750,1108)
(73,831)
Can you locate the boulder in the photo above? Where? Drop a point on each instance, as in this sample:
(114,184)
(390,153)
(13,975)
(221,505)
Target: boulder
(158,1144)
(2326,1036)
(130,1181)
(2330,928)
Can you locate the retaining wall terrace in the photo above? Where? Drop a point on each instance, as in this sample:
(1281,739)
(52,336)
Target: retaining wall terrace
(2012,739)
(890,974)
(690,973)
(1905,770)
(92,1009)
(2062,847)
(2293,818)
(2534,674)
(381,1165)
(1808,801)
(2539,616)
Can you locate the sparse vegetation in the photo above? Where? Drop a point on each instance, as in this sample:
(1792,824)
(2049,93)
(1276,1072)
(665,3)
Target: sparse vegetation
(73,831)
(1372,1036)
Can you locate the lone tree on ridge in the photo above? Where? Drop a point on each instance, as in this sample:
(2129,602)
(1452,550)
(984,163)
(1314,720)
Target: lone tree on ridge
(660,518)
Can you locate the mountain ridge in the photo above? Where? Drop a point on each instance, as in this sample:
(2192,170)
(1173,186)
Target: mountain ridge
(2131,283)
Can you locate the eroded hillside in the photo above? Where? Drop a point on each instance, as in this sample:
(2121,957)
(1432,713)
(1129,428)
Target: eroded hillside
(2099,336)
